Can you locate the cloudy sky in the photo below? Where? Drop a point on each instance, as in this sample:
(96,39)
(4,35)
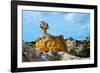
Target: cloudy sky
(68,24)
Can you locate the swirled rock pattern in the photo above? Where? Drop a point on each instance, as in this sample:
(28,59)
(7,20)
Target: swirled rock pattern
(48,42)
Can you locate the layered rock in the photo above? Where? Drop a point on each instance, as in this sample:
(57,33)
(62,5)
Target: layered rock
(48,42)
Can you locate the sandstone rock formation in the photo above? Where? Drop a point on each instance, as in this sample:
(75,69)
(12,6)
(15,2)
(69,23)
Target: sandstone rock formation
(49,42)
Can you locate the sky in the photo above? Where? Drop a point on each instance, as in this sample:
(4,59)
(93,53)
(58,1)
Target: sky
(68,24)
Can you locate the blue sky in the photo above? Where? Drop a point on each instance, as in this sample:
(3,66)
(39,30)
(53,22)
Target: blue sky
(68,24)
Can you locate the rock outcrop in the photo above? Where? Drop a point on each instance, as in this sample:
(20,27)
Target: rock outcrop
(49,42)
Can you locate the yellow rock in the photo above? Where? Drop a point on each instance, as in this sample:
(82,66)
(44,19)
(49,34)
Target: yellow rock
(48,42)
(45,44)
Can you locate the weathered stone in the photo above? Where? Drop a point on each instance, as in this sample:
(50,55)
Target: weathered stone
(49,42)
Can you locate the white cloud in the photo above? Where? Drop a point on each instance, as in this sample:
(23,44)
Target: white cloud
(37,15)
(69,16)
(76,17)
(83,26)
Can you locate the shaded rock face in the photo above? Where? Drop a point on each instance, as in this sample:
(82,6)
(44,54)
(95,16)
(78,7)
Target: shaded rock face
(30,54)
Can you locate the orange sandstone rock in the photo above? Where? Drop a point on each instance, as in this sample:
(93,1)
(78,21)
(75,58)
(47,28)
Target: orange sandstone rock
(49,42)
(45,44)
